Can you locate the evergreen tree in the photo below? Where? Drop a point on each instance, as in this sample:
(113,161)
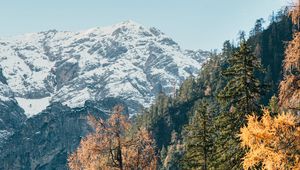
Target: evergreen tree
(240,97)
(174,155)
(198,140)
(243,89)
(273,105)
(163,153)
(187,90)
(258,28)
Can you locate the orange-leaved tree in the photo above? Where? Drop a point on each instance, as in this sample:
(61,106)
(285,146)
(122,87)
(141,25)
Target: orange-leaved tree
(112,146)
(273,143)
(290,86)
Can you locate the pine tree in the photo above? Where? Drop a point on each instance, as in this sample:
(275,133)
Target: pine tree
(198,140)
(240,97)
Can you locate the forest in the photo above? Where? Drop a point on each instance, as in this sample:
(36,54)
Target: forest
(240,112)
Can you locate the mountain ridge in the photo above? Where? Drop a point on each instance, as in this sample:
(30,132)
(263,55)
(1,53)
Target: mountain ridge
(126,60)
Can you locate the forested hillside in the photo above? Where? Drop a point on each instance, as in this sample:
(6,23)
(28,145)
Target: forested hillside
(175,121)
(240,112)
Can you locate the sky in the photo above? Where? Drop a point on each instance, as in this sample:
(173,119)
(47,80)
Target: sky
(194,24)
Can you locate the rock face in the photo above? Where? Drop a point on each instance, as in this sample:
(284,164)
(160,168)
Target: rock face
(50,81)
(45,140)
(126,61)
(11,115)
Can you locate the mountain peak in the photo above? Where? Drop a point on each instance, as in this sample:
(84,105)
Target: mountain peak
(130,23)
(125,61)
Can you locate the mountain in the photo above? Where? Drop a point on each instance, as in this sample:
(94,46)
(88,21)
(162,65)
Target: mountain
(50,81)
(125,61)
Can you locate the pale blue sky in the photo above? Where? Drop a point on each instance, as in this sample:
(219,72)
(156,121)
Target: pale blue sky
(194,24)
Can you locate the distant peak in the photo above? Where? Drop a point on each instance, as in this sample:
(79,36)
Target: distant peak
(129,23)
(49,31)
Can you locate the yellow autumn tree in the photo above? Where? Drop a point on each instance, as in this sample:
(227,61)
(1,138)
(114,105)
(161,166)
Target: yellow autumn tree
(112,147)
(273,143)
(289,95)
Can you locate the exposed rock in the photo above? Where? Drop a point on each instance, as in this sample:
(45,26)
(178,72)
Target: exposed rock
(45,140)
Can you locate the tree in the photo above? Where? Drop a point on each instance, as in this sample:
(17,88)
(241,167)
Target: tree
(258,28)
(243,89)
(289,95)
(295,13)
(163,153)
(139,151)
(110,147)
(240,97)
(273,105)
(187,90)
(272,143)
(199,140)
(174,154)
(227,49)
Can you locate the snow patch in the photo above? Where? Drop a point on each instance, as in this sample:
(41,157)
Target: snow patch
(33,106)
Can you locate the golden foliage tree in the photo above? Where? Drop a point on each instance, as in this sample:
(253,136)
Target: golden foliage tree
(113,147)
(290,87)
(273,143)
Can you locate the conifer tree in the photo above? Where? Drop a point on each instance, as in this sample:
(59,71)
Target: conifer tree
(273,143)
(290,87)
(273,105)
(187,90)
(243,89)
(111,146)
(163,153)
(240,97)
(174,154)
(198,140)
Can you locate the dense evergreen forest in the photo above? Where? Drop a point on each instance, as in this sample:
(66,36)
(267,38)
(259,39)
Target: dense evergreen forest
(208,122)
(173,119)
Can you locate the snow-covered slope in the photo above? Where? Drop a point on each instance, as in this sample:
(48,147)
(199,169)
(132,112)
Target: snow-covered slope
(126,61)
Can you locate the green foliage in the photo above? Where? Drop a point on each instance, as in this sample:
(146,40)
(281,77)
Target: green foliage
(163,153)
(198,139)
(272,42)
(187,90)
(232,85)
(243,88)
(240,97)
(174,154)
(273,105)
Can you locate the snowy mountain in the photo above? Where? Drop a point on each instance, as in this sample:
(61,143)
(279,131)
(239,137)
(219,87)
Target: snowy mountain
(61,77)
(126,61)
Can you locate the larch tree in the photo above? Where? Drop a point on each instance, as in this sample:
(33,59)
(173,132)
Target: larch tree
(272,143)
(289,95)
(111,146)
(139,151)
